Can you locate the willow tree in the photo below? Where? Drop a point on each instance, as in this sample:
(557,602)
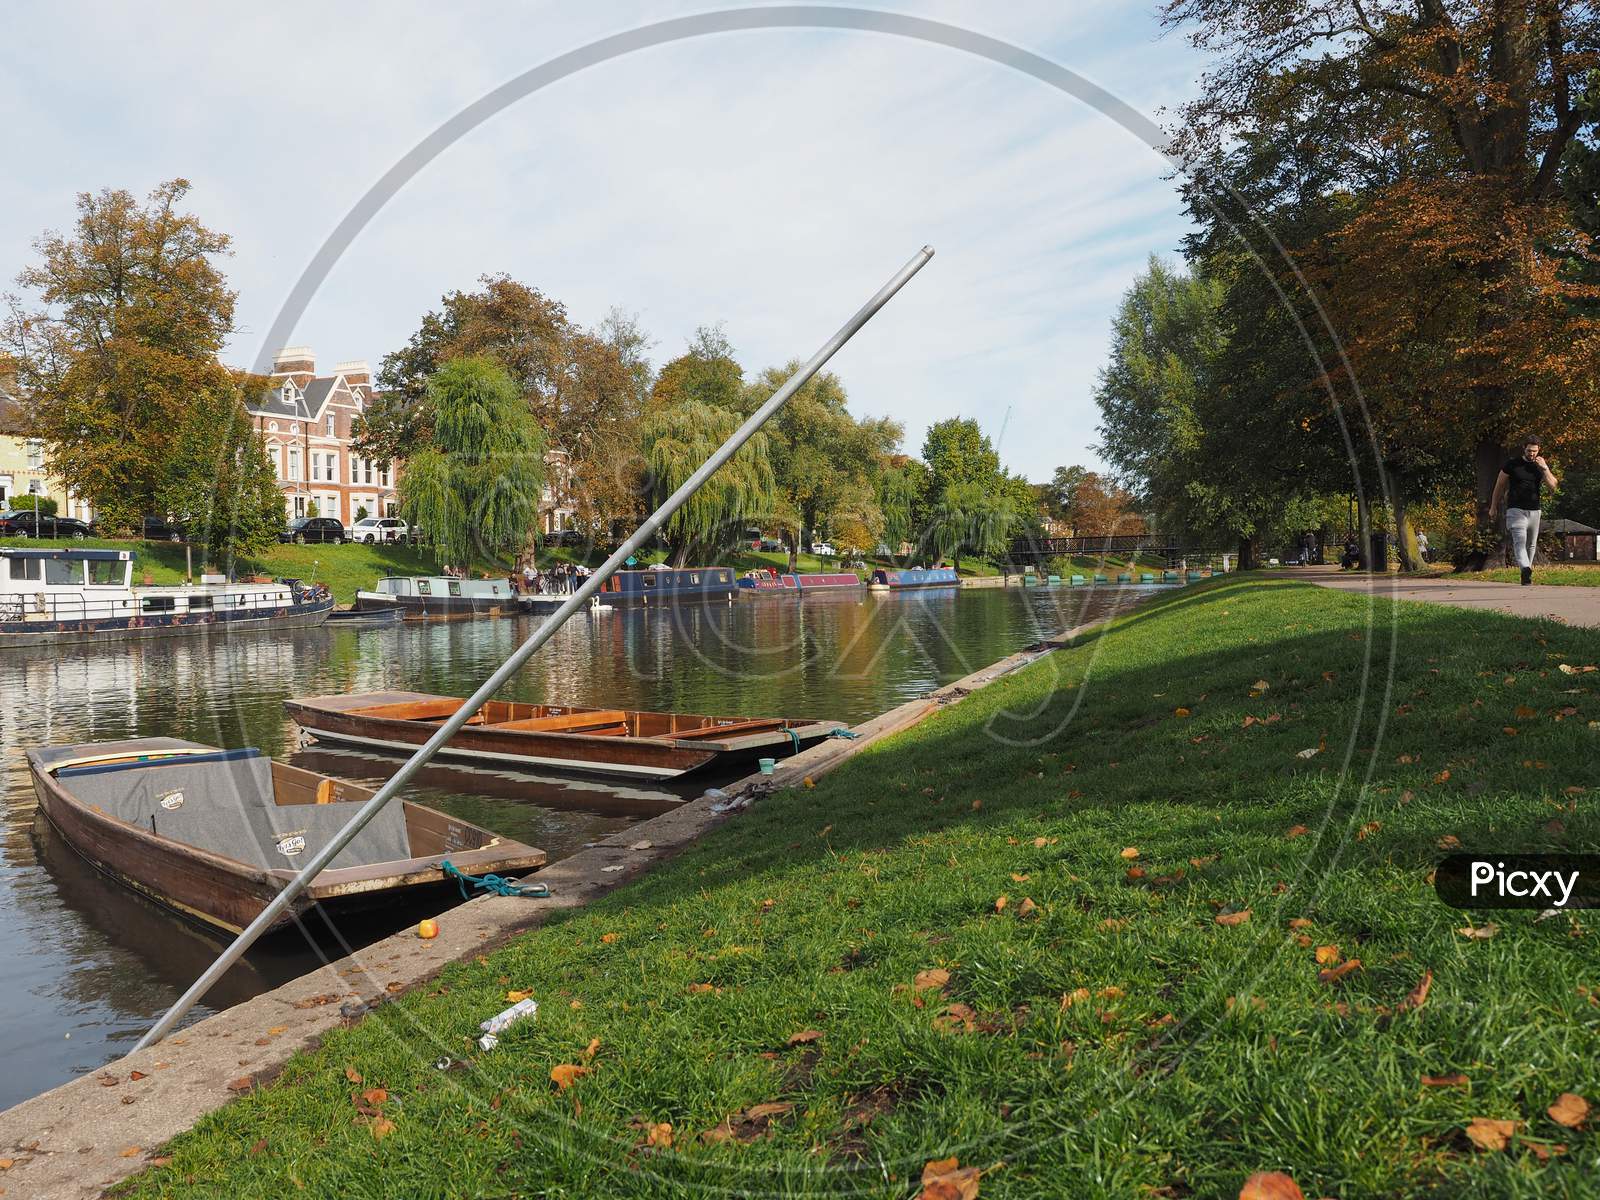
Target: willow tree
(475,488)
(972,517)
(676,440)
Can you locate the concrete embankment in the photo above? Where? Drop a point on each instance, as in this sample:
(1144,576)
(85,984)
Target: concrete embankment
(82,1137)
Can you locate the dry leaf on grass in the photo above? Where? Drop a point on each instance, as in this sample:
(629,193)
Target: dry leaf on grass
(382,1127)
(946,1179)
(933,979)
(1327,954)
(1334,974)
(1569,1109)
(1270,1185)
(1490,1133)
(1311,752)
(1233,918)
(1027,908)
(517,997)
(696,989)
(243,1084)
(1300,923)
(1296,831)
(1131,852)
(608,938)
(564,1075)
(1454,1079)
(1449,842)
(375,1096)
(1481,933)
(1000,904)
(591,1048)
(659,1134)
(1180,712)
(804,1036)
(1418,995)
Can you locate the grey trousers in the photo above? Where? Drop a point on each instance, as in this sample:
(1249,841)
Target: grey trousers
(1523,526)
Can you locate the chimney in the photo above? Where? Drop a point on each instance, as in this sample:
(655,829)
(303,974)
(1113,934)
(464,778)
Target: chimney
(357,373)
(298,363)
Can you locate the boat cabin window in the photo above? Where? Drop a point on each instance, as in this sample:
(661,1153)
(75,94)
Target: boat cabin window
(25,568)
(649,580)
(424,587)
(455,587)
(159,604)
(198,602)
(105,572)
(694,577)
(61,570)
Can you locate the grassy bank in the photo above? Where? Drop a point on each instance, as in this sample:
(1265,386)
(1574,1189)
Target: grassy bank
(1574,576)
(343,568)
(1068,931)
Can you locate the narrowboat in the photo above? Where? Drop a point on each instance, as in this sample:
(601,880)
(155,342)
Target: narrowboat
(441,597)
(919,577)
(54,597)
(216,834)
(765,583)
(563,737)
(676,585)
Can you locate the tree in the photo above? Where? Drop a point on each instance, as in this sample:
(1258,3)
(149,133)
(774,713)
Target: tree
(970,516)
(131,312)
(958,451)
(676,441)
(475,487)
(1450,124)
(902,491)
(1086,502)
(220,483)
(706,373)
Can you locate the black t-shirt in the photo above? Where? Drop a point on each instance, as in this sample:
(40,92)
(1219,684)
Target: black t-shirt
(1525,477)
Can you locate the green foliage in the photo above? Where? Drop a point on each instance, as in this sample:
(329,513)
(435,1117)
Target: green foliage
(475,488)
(958,451)
(219,481)
(707,373)
(902,492)
(974,518)
(22,502)
(313,509)
(676,441)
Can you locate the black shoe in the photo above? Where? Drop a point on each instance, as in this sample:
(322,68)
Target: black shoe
(1527,576)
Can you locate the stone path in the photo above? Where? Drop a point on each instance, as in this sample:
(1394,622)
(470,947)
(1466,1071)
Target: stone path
(1570,604)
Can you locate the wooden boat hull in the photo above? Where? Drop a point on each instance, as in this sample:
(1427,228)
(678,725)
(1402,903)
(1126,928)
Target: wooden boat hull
(656,754)
(228,894)
(153,625)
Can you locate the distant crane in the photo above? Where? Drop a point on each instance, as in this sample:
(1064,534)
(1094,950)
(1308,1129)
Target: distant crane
(1004,421)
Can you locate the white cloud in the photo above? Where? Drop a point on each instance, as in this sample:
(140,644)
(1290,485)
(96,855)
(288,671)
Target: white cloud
(769,180)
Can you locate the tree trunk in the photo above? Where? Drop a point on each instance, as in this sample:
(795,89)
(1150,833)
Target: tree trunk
(1405,538)
(1364,532)
(1247,554)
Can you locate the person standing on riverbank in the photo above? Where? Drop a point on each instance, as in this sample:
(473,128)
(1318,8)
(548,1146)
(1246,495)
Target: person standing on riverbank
(1518,488)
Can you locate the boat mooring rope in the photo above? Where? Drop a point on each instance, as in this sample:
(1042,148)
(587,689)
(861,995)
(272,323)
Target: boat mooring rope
(498,884)
(848,735)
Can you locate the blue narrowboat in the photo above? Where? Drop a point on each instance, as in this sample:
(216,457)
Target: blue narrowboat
(922,577)
(679,585)
(762,583)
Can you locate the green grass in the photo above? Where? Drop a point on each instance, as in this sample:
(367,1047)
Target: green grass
(343,568)
(1194,1053)
(1575,576)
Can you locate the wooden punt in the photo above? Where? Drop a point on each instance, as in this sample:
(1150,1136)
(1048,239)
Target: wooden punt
(216,834)
(603,741)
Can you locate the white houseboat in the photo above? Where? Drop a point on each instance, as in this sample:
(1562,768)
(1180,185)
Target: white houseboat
(50,597)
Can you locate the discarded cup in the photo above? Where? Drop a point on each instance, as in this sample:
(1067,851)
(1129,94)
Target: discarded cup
(522,1010)
(767,765)
(488,1042)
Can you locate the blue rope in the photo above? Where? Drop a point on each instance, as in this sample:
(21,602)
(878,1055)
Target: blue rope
(497,884)
(795,738)
(848,735)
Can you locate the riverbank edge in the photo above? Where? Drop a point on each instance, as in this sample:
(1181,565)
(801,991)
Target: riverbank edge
(82,1137)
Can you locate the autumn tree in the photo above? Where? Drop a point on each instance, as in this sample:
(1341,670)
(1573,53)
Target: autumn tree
(706,373)
(1452,121)
(676,440)
(114,343)
(1087,502)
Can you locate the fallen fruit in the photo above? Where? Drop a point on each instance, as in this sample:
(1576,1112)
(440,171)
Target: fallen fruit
(427,929)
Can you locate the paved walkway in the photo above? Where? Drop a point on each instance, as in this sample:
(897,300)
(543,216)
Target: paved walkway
(1570,604)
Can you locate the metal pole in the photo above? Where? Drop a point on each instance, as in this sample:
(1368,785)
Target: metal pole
(540,636)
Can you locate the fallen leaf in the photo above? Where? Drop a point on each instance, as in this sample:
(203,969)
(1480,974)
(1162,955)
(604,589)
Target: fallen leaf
(1261,685)
(375,1096)
(1334,974)
(1296,831)
(1270,1185)
(1418,995)
(7,1163)
(645,845)
(1545,1153)
(933,979)
(259,1148)
(382,1127)
(1131,852)
(1523,712)
(698,988)
(1000,904)
(1027,908)
(1454,1079)
(954,1015)
(1327,954)
(804,1036)
(1016,878)
(517,997)
(566,1074)
(591,1048)
(1197,863)
(1234,918)
(1442,777)
(242,1084)
(946,1179)
(608,938)
(659,1135)
(1449,842)
(1482,933)
(1367,830)
(130,1152)
(1569,1109)
(1311,753)
(1300,923)
(276,1030)
(1180,712)
(761,1112)
(1489,1133)
(135,1076)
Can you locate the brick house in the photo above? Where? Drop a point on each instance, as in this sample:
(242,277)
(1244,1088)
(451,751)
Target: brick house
(307,421)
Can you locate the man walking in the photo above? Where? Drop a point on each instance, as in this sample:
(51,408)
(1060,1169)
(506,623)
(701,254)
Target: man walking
(1518,488)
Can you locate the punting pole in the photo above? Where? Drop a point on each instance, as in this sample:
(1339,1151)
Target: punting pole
(512,665)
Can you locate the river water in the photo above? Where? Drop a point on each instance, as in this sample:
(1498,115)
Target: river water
(86,965)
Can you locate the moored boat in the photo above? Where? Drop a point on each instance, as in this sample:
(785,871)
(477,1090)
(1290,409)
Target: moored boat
(596,741)
(56,596)
(216,834)
(440,597)
(661,585)
(919,577)
(759,583)
(376,618)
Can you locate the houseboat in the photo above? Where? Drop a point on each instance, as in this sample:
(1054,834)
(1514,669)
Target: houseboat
(564,737)
(920,577)
(677,585)
(52,597)
(441,597)
(216,834)
(770,583)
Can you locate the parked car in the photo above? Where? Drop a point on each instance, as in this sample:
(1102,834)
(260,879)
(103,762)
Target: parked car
(771,543)
(378,529)
(161,529)
(28,523)
(314,529)
(823,550)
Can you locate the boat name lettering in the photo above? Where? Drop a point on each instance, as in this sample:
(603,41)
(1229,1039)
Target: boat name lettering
(170,800)
(291,844)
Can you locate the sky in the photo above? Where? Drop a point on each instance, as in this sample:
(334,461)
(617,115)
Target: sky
(767,180)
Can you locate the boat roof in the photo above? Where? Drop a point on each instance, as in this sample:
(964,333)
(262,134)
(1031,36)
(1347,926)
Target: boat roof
(92,555)
(49,757)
